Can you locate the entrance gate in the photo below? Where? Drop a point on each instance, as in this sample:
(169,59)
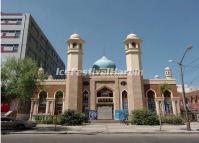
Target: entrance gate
(105,104)
(105,112)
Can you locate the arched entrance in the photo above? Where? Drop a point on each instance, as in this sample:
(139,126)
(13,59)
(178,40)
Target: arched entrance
(58,102)
(42,102)
(150,96)
(167,103)
(105,104)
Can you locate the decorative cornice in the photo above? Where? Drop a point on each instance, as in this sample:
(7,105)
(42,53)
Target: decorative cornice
(159,81)
(52,82)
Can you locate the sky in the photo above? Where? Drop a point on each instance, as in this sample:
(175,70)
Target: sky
(166,27)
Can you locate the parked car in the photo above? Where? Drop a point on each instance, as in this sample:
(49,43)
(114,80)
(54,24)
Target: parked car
(11,123)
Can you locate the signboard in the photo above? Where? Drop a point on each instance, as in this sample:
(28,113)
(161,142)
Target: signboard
(92,115)
(121,115)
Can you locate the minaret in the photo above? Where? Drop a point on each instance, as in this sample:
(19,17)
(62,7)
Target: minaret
(74,73)
(168,73)
(134,72)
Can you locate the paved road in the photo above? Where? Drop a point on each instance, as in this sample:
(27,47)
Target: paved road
(100,138)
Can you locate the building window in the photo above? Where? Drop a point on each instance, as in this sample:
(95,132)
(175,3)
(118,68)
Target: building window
(58,102)
(10,33)
(74,45)
(151,101)
(42,102)
(196,99)
(133,44)
(123,83)
(85,102)
(17,34)
(85,96)
(105,92)
(124,100)
(167,102)
(11,21)
(191,99)
(9,48)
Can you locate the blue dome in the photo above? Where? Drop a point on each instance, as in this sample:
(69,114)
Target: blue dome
(104,63)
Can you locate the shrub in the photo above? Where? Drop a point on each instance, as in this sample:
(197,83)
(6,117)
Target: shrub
(144,117)
(46,119)
(69,117)
(172,119)
(72,117)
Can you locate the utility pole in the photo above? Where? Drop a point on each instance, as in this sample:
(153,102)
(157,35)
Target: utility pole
(182,84)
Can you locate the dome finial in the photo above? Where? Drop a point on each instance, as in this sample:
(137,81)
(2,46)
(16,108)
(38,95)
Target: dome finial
(104,51)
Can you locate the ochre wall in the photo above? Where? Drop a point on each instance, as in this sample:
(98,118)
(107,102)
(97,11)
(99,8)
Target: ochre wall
(156,87)
(50,89)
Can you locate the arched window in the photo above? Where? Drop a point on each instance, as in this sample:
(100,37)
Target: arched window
(85,96)
(124,100)
(167,102)
(58,102)
(42,102)
(74,45)
(85,101)
(105,92)
(133,44)
(151,101)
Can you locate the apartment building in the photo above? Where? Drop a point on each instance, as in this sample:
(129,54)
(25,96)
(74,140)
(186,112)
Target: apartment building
(21,37)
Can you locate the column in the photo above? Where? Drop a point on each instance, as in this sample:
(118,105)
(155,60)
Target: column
(161,107)
(53,106)
(157,107)
(121,103)
(92,95)
(174,107)
(116,96)
(50,107)
(178,106)
(47,107)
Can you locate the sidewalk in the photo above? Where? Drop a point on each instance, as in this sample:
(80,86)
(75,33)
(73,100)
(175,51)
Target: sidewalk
(110,128)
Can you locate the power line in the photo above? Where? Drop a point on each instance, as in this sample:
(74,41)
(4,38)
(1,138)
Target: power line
(194,79)
(187,65)
(191,68)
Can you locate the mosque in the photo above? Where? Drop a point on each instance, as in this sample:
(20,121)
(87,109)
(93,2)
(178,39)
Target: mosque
(104,90)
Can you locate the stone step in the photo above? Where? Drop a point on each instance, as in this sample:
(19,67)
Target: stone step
(104,121)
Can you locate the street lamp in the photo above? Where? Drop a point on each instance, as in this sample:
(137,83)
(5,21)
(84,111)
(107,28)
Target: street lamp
(182,83)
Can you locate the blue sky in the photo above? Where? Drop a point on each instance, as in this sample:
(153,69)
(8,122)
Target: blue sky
(165,26)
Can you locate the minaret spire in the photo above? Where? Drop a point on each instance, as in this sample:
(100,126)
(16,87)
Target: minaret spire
(104,51)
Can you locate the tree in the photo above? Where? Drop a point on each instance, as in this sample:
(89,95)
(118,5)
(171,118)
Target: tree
(19,78)
(163,88)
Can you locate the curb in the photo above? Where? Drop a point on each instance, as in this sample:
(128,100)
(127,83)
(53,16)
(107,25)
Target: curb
(94,133)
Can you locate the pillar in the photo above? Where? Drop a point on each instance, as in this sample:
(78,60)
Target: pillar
(174,107)
(92,95)
(157,107)
(47,107)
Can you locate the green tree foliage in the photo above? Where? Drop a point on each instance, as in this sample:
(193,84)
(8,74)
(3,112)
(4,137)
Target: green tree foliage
(144,117)
(163,88)
(19,78)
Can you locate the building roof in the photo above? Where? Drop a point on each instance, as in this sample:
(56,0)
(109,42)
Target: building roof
(75,36)
(191,96)
(104,63)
